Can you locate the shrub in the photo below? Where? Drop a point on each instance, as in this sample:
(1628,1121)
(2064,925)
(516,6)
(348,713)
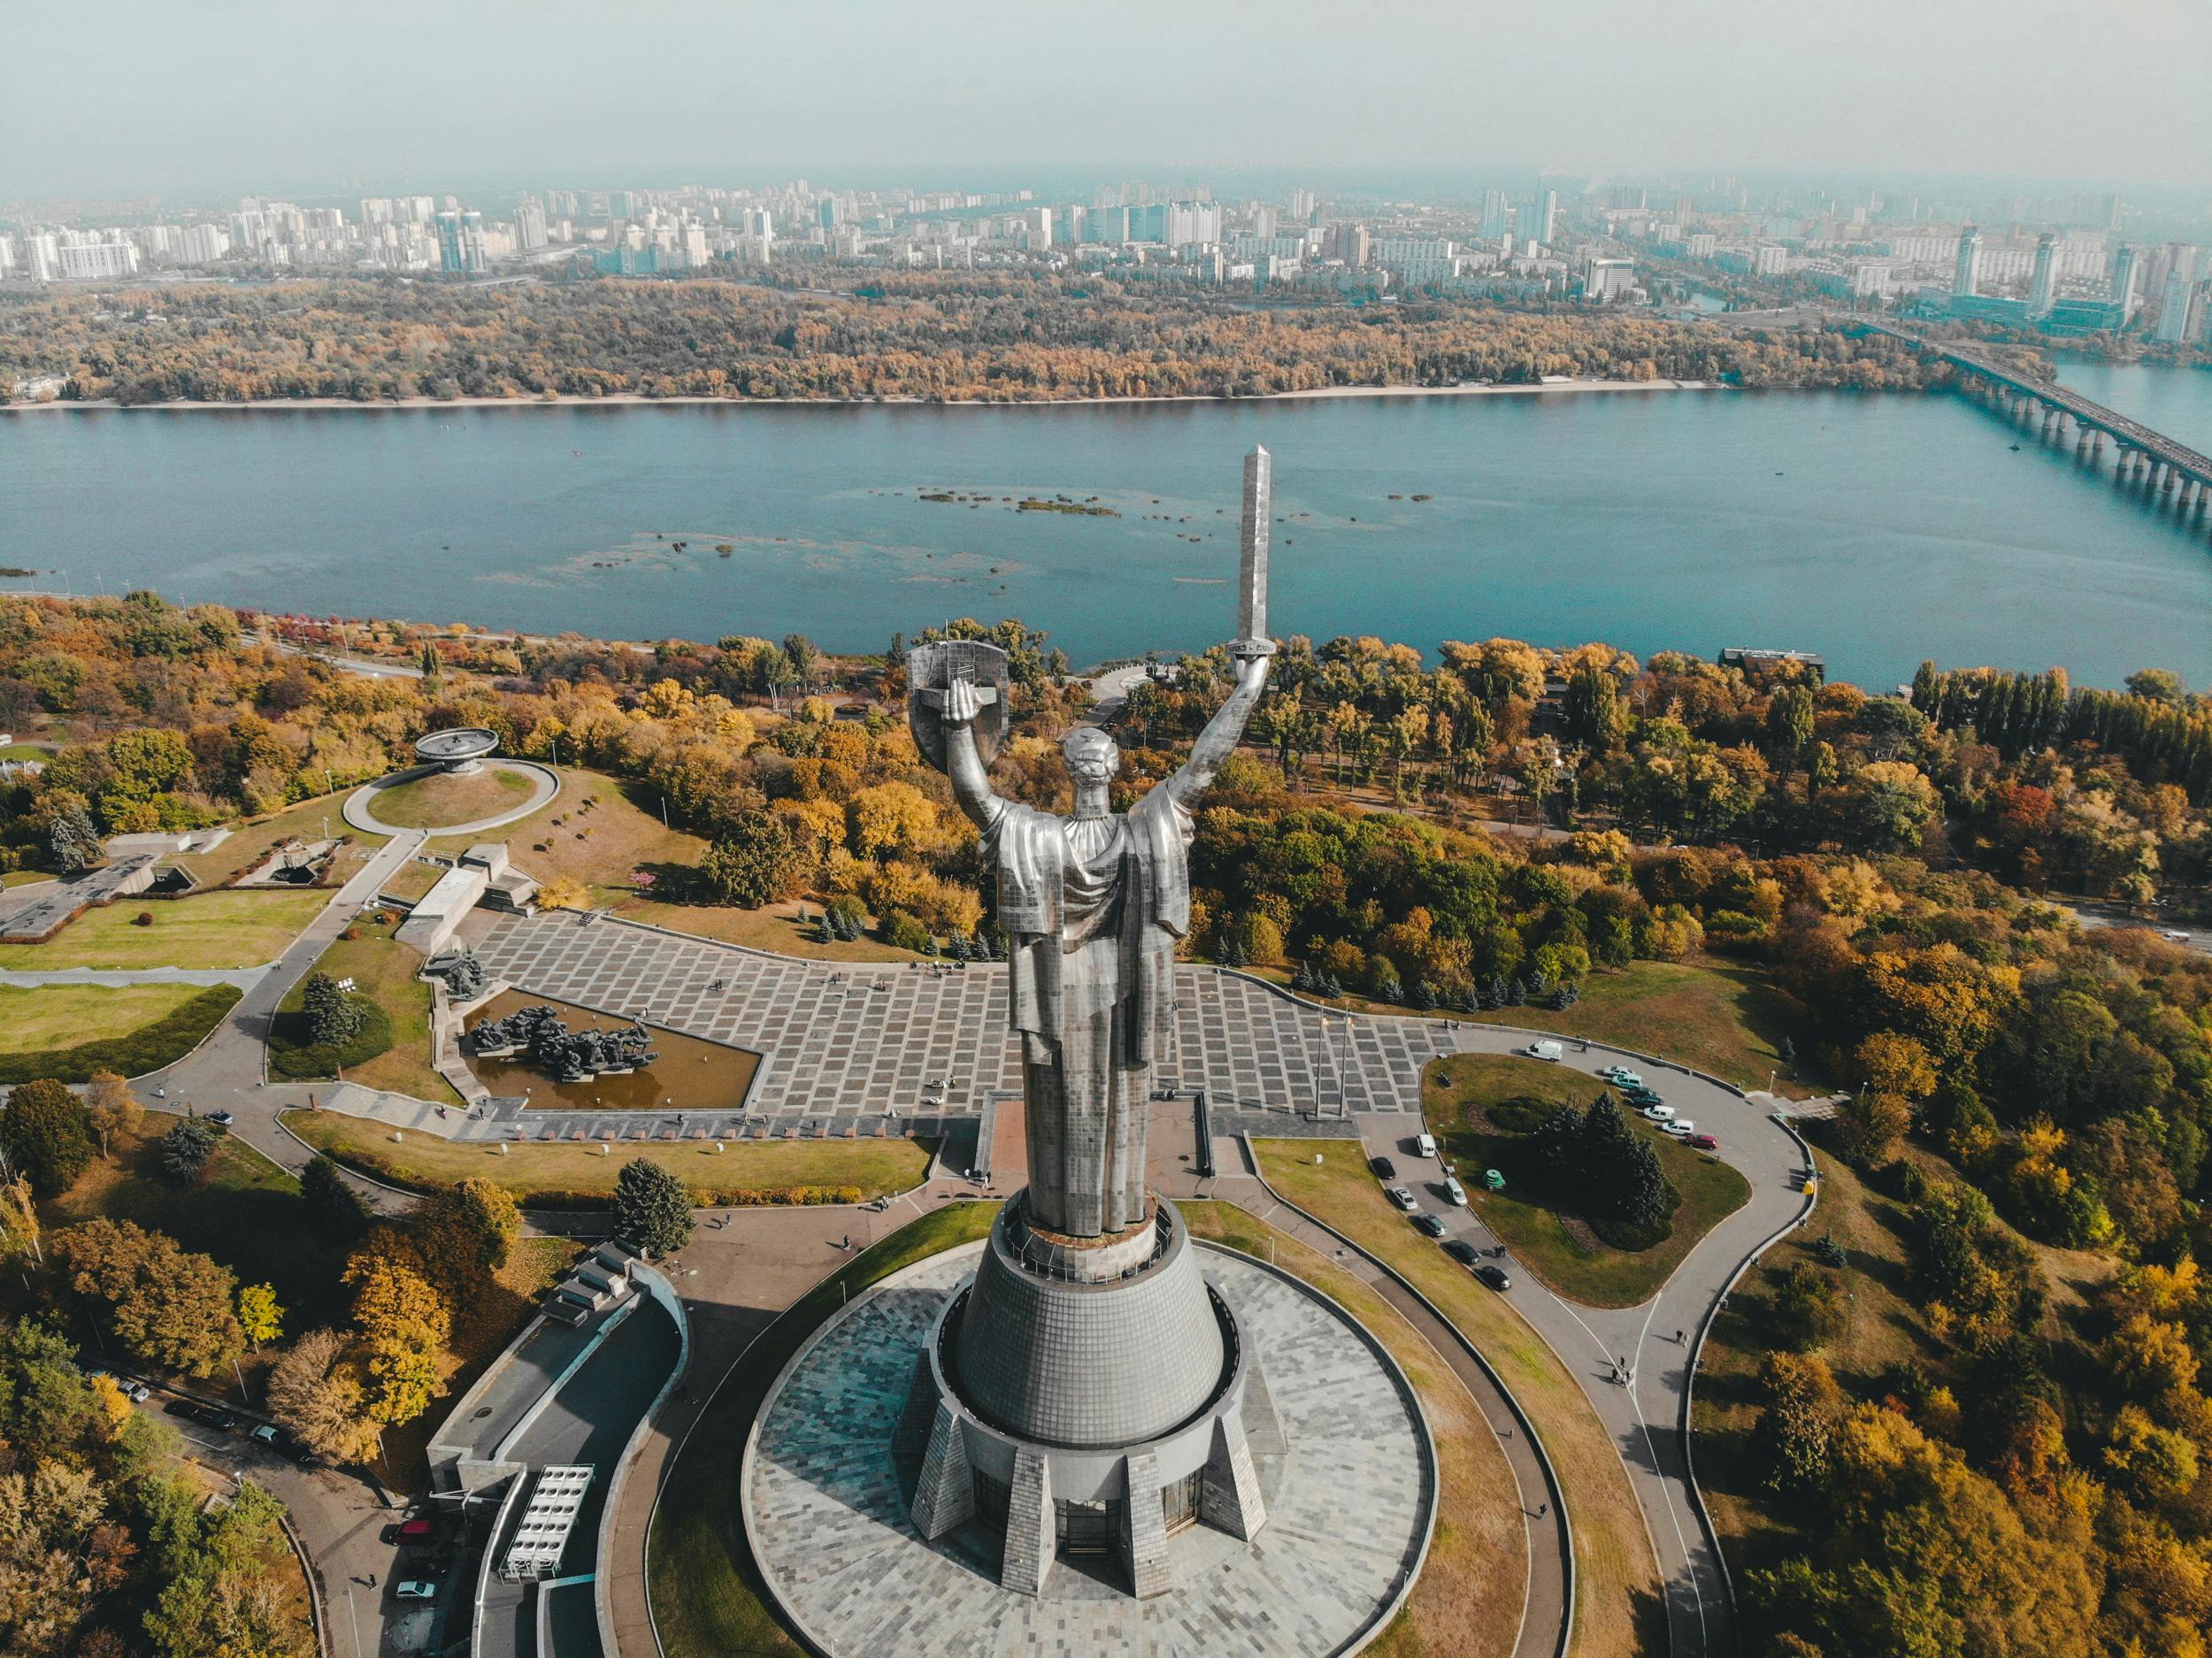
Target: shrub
(294,1053)
(903,932)
(143,918)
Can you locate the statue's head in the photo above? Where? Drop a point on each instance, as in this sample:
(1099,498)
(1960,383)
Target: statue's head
(1091,755)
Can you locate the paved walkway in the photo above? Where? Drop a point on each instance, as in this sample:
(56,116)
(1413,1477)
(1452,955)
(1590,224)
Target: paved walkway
(35,909)
(244,978)
(228,1070)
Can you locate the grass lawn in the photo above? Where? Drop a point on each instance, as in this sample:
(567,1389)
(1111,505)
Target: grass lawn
(708,1597)
(1466,1601)
(542,1173)
(453,797)
(383,970)
(771,927)
(411,880)
(1561,1250)
(316,819)
(599,844)
(209,930)
(1617,1602)
(23,877)
(62,1016)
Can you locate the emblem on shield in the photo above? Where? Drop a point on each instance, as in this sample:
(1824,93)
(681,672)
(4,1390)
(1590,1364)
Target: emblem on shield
(930,669)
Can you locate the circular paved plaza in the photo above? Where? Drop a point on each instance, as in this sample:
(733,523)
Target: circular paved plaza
(1350,1491)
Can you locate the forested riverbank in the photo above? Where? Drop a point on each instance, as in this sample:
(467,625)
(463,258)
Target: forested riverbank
(993,337)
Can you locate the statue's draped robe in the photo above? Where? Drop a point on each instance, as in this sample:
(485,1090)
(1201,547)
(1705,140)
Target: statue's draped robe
(1092,908)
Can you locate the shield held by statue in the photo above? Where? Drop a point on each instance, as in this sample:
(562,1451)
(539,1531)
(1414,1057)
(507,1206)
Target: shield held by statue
(930,669)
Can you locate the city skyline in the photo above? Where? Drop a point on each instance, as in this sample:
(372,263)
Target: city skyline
(675,87)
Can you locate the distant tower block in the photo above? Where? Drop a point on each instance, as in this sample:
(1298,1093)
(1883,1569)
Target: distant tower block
(459,750)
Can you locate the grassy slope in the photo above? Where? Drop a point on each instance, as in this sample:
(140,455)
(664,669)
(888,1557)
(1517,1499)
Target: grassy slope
(62,1016)
(873,1165)
(1617,1588)
(1716,1014)
(209,930)
(1569,1259)
(384,971)
(1464,1602)
(708,1598)
(602,846)
(246,1213)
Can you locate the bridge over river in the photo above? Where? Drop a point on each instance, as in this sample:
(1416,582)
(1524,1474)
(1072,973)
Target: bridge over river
(2142,458)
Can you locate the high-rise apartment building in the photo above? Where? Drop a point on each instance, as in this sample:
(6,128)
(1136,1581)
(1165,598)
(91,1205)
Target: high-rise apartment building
(1302,206)
(2121,294)
(2173,310)
(1966,278)
(461,250)
(1543,218)
(1494,216)
(2043,285)
(529,225)
(826,214)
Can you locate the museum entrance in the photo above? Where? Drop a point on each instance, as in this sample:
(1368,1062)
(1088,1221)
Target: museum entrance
(1090,1528)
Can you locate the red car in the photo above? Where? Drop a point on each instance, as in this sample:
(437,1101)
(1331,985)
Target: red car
(1703,1142)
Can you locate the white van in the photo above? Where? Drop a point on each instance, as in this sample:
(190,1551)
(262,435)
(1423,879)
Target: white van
(1545,1050)
(1425,1145)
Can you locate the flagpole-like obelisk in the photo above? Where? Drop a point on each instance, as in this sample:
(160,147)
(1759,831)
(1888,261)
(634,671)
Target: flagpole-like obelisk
(1252,636)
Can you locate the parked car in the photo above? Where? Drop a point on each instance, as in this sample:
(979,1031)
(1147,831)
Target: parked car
(416,1529)
(1681,1128)
(1497,1277)
(1385,1169)
(1404,1199)
(1462,1251)
(180,1407)
(221,1120)
(213,1416)
(265,1435)
(415,1589)
(2175,935)
(1704,1143)
(1425,1146)
(1659,1113)
(1455,1193)
(1429,1224)
(1545,1050)
(137,1392)
(1622,1077)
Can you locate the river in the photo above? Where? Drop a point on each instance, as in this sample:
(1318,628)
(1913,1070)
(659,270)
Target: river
(1876,530)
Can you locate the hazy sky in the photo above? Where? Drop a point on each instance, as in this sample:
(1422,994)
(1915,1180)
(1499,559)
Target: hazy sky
(313,96)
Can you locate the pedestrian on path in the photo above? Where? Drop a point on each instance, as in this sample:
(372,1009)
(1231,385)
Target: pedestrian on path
(1542,1508)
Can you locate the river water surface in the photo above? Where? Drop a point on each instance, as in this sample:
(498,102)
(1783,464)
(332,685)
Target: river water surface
(1876,530)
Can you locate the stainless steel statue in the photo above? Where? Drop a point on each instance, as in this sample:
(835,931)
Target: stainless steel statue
(1092,905)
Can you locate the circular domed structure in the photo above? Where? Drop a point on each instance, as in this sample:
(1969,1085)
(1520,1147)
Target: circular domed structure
(459,750)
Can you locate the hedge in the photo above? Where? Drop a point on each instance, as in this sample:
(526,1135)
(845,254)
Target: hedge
(149,1048)
(379,1167)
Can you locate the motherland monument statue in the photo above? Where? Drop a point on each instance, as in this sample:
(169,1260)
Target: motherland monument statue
(1087,1387)
(1093,904)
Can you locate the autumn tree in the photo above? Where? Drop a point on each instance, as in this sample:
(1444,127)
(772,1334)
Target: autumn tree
(404,1324)
(259,1314)
(316,1393)
(111,1108)
(170,1308)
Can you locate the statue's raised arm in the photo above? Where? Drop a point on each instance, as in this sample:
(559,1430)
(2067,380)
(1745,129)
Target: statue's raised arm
(963,765)
(1226,729)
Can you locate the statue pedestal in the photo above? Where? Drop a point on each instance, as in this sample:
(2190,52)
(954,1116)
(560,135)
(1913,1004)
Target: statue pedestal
(1100,1411)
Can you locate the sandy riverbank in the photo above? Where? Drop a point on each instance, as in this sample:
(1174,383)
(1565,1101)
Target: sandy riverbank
(630,400)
